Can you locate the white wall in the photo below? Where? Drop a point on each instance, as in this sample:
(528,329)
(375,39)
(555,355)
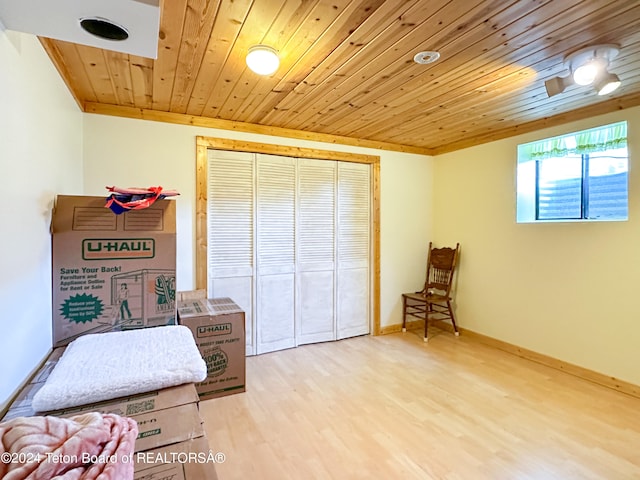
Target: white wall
(40,156)
(406,229)
(126,152)
(567,290)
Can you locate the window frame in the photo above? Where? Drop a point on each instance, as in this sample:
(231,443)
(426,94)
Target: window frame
(528,181)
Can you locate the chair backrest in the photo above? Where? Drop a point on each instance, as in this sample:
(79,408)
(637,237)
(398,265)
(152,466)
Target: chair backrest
(441,263)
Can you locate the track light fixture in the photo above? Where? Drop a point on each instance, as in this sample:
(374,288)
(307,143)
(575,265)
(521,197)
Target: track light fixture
(587,66)
(607,83)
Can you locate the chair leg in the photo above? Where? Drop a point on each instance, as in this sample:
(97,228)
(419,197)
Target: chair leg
(453,320)
(404,314)
(426,321)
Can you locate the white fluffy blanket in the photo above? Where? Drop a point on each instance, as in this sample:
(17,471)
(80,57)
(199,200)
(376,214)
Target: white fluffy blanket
(109,365)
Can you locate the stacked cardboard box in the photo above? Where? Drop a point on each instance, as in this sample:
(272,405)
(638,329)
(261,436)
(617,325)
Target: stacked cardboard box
(189,460)
(115,272)
(191,295)
(171,440)
(218,328)
(21,405)
(111,272)
(164,417)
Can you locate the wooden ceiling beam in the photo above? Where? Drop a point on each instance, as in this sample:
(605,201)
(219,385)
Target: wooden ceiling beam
(207,122)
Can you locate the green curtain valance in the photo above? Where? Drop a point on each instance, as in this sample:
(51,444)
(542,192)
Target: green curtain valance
(594,140)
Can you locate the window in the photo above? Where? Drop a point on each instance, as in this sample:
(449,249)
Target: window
(581,176)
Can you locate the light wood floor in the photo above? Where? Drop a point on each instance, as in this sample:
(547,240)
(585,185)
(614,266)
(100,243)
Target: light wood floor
(393,407)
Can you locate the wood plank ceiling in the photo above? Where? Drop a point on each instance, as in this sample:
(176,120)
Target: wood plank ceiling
(347,68)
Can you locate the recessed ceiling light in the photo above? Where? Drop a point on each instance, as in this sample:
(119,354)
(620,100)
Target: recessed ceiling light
(103,28)
(423,58)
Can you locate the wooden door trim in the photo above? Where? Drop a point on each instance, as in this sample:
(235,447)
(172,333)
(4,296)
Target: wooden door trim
(203,144)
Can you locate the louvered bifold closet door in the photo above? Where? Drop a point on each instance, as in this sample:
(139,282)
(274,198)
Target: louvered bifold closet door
(231,231)
(275,253)
(316,247)
(354,230)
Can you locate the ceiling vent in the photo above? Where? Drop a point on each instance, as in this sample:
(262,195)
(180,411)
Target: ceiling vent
(127,26)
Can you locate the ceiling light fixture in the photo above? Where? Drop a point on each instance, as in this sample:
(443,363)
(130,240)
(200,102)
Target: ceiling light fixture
(587,66)
(263,59)
(607,83)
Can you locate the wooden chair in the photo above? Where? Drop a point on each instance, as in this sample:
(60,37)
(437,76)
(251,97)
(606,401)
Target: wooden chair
(435,297)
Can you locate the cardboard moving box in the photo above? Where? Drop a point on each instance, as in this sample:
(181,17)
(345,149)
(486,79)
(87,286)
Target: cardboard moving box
(190,460)
(164,416)
(21,404)
(218,328)
(111,272)
(138,404)
(171,442)
(191,295)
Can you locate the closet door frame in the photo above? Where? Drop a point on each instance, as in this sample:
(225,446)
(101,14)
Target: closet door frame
(203,144)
